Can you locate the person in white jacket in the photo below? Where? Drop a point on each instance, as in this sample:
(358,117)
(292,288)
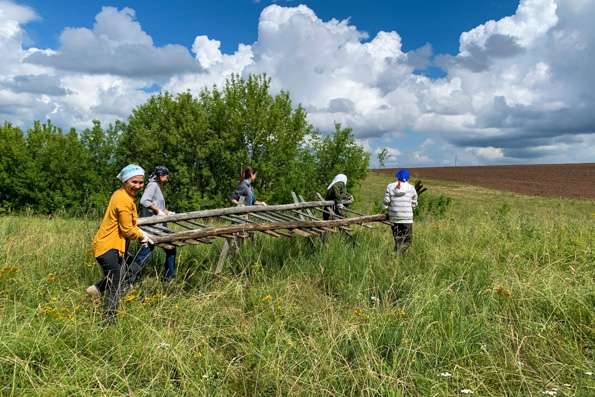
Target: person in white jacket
(400,198)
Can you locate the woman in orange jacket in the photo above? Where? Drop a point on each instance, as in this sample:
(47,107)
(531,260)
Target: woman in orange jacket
(109,244)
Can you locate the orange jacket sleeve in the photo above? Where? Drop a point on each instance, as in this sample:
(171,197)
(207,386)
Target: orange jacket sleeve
(127,222)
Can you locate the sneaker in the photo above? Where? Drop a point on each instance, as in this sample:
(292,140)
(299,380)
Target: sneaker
(93,292)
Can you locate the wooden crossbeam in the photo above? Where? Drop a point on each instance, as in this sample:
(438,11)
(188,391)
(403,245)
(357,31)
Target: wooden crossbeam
(229,210)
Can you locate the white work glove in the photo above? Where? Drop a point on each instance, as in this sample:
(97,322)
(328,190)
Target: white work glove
(146,238)
(340,206)
(160,212)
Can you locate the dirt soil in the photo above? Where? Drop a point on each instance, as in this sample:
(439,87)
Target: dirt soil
(558,180)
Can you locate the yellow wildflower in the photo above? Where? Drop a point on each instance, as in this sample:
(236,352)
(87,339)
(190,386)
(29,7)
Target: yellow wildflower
(267,298)
(131,296)
(8,270)
(400,313)
(153,299)
(502,291)
(58,313)
(358,312)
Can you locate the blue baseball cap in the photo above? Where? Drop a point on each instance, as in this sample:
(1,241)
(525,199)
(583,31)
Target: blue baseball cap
(402,175)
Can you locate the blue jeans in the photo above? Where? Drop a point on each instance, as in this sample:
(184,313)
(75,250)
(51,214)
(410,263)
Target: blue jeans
(142,257)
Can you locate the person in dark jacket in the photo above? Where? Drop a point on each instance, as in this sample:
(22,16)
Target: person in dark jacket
(337,192)
(153,203)
(244,193)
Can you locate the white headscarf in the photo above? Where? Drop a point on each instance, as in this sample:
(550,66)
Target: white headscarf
(338,178)
(129,171)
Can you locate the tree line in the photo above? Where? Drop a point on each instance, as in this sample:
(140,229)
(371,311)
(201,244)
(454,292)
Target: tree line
(205,141)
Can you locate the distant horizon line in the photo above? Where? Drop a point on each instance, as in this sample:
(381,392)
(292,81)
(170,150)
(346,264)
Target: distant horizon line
(482,165)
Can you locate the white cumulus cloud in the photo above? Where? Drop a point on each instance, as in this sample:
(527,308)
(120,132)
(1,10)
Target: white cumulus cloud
(519,89)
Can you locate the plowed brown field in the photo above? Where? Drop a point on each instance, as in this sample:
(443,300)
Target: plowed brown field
(560,180)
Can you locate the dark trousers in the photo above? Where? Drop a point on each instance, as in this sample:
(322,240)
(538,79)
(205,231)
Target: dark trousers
(111,286)
(402,234)
(142,258)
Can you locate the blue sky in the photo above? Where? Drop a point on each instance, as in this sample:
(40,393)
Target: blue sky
(493,81)
(233,21)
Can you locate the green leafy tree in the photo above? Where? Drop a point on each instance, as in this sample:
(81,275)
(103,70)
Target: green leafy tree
(102,167)
(175,132)
(207,140)
(16,169)
(382,156)
(340,153)
(61,163)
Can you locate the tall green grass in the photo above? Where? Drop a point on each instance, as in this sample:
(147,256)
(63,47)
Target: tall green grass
(496,296)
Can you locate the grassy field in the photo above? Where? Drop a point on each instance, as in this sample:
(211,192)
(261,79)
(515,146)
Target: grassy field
(495,298)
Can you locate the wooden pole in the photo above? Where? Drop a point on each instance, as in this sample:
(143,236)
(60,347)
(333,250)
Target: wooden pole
(150,220)
(360,214)
(222,256)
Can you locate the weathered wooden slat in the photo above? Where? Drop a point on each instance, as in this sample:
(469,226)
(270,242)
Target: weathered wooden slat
(284,217)
(229,210)
(318,230)
(265,218)
(296,200)
(271,233)
(202,240)
(179,223)
(166,246)
(232,219)
(195,223)
(161,228)
(306,210)
(155,231)
(237,219)
(243,228)
(303,233)
(312,217)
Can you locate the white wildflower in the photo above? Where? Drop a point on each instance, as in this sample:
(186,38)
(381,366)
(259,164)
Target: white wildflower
(445,374)
(163,345)
(588,373)
(467,391)
(374,299)
(550,392)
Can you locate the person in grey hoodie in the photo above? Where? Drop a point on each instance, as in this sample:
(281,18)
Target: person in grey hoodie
(400,198)
(153,203)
